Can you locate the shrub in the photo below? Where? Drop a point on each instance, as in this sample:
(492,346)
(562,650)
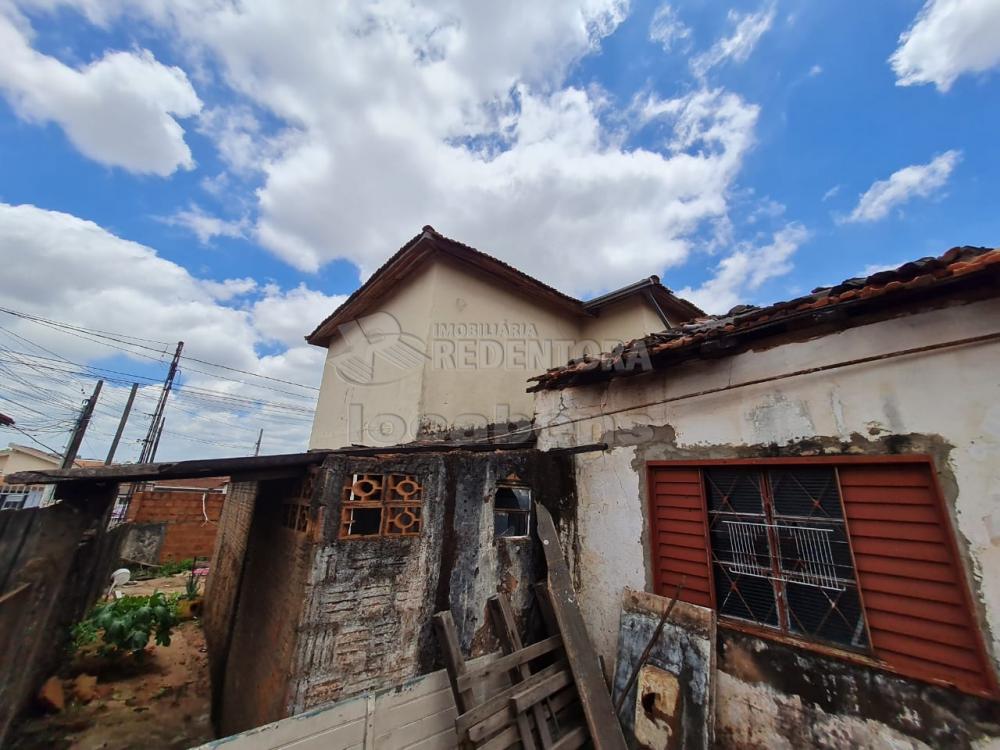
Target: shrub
(125,625)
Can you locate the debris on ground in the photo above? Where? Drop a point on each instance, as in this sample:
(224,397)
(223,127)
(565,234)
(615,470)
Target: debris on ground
(160,698)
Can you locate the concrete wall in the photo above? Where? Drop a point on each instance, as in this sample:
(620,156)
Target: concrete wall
(191,520)
(944,403)
(481,342)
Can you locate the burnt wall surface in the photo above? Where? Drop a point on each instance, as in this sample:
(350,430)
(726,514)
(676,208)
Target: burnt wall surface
(367,617)
(770,690)
(264,630)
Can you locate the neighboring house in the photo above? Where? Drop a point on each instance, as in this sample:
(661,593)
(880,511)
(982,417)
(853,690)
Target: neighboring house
(443,335)
(823,473)
(16,458)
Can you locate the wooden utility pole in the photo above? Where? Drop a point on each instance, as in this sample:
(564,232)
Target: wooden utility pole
(260,435)
(121,424)
(148,443)
(81,427)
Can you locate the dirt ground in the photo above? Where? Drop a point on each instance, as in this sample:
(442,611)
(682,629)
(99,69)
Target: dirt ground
(162,701)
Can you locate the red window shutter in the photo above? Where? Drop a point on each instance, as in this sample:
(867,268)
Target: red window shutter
(912,585)
(679,531)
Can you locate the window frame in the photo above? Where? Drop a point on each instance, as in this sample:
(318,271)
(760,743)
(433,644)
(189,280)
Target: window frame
(527,513)
(771,517)
(863,658)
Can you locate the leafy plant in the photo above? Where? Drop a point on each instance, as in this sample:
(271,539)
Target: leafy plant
(175,566)
(191,587)
(125,625)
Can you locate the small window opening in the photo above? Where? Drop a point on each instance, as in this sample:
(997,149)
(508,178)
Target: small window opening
(511,511)
(364,521)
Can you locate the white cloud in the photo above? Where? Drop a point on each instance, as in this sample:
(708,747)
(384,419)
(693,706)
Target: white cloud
(947,39)
(815,70)
(205,226)
(746,269)
(831,193)
(288,316)
(748,28)
(666,27)
(63,268)
(389,117)
(120,110)
(915,181)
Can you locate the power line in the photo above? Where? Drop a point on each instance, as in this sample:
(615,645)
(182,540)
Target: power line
(123,339)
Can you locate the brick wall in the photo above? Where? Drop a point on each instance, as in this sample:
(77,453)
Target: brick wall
(265,630)
(188,533)
(224,578)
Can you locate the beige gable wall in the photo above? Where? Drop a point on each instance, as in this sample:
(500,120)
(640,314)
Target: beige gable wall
(13,460)
(480,342)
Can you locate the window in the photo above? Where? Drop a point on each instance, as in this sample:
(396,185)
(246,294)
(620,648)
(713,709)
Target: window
(780,555)
(381,505)
(856,553)
(12,496)
(511,511)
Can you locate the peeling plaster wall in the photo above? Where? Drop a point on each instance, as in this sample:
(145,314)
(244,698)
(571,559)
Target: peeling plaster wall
(945,403)
(365,620)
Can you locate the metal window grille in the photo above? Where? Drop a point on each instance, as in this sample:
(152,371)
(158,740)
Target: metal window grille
(780,553)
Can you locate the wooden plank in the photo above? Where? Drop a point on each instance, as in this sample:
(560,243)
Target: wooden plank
(605,731)
(505,628)
(451,653)
(509,662)
(574,738)
(499,701)
(529,697)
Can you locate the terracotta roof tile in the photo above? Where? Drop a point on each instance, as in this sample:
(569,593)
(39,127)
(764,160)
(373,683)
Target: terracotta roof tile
(919,274)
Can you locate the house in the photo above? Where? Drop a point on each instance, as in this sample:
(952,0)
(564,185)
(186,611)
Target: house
(817,476)
(15,458)
(444,335)
(822,474)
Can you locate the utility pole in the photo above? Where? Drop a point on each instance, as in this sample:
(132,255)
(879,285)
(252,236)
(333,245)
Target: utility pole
(156,443)
(148,443)
(121,424)
(81,427)
(260,435)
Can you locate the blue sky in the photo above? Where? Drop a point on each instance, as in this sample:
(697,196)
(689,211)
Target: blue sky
(260,160)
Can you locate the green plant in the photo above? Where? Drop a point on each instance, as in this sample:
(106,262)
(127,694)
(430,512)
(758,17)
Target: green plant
(191,586)
(125,625)
(175,566)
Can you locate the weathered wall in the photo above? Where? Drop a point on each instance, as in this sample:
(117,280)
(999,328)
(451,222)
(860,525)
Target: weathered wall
(54,562)
(224,579)
(265,627)
(367,620)
(143,542)
(944,403)
(191,520)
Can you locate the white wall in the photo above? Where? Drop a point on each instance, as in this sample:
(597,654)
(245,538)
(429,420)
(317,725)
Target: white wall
(954,394)
(442,307)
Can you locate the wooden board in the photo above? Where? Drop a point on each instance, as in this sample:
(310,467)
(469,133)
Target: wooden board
(605,731)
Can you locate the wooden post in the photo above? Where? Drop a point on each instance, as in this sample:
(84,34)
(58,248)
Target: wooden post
(605,731)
